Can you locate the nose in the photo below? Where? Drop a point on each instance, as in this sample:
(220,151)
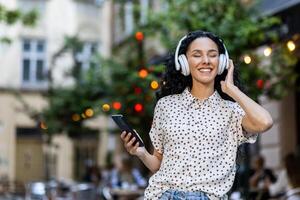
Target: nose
(205,59)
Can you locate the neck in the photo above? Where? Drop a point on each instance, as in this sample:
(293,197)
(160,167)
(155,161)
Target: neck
(202,91)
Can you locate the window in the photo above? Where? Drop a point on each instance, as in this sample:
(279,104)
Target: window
(34,63)
(144,5)
(84,57)
(129,23)
(127,16)
(92,2)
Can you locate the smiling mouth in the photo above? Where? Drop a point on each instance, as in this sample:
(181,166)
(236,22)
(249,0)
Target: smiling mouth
(205,70)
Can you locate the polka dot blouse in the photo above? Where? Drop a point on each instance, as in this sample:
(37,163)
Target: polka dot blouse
(199,141)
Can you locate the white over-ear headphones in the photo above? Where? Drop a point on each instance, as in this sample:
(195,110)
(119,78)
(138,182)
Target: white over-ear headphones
(181,62)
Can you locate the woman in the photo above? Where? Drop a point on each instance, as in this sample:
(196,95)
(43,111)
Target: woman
(198,123)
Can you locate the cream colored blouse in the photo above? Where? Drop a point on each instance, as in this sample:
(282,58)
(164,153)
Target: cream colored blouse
(199,141)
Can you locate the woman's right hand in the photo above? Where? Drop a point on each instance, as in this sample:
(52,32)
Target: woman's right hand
(128,144)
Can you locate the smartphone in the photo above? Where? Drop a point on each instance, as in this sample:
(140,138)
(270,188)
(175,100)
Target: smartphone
(124,126)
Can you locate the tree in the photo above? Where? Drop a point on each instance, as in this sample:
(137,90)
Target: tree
(70,106)
(11,17)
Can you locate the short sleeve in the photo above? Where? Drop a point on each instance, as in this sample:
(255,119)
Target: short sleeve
(156,133)
(240,134)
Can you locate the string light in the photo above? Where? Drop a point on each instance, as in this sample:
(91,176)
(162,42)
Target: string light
(154,85)
(139,36)
(138,107)
(117,105)
(89,112)
(75,117)
(143,73)
(291,45)
(247,59)
(267,51)
(105,107)
(260,84)
(137,90)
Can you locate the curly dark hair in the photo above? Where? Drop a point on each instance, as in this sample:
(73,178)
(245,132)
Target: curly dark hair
(173,82)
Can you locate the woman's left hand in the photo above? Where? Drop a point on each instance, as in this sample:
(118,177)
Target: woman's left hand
(228,85)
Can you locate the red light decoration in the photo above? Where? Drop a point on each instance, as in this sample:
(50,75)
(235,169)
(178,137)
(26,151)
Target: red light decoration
(137,90)
(138,107)
(117,105)
(139,36)
(260,84)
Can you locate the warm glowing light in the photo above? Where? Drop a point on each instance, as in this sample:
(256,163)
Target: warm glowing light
(75,117)
(247,59)
(138,107)
(143,73)
(105,107)
(154,85)
(260,84)
(268,51)
(139,36)
(89,112)
(291,45)
(83,115)
(117,105)
(137,90)
(43,125)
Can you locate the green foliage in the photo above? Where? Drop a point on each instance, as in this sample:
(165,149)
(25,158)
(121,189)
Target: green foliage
(66,102)
(128,88)
(241,28)
(11,17)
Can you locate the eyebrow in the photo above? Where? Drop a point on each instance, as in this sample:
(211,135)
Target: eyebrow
(198,50)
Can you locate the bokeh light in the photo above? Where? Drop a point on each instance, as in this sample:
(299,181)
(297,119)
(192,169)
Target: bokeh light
(247,59)
(105,107)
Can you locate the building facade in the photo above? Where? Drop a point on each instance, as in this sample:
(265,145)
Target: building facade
(24,65)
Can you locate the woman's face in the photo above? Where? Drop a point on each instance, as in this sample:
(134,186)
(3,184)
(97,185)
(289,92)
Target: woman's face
(203,58)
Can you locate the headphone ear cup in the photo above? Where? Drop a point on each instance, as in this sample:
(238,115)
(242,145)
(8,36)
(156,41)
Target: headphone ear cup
(222,64)
(185,69)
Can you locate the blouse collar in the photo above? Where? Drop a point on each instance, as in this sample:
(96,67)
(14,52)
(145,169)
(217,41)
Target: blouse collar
(212,101)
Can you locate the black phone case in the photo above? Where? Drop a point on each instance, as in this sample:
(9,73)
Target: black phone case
(124,126)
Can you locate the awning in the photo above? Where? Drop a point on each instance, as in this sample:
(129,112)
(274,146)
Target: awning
(271,7)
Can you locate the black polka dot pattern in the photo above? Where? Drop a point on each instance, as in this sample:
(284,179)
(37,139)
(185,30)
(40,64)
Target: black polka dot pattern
(199,141)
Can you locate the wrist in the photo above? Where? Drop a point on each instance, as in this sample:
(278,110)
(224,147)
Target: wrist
(232,91)
(142,154)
